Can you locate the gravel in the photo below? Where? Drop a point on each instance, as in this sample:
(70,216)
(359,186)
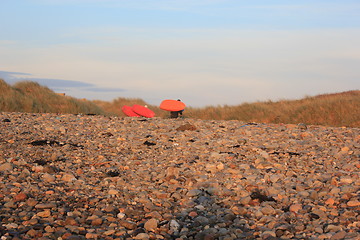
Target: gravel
(68,176)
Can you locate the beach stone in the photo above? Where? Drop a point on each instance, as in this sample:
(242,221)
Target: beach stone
(6,167)
(68,177)
(332,228)
(295,208)
(353,203)
(143,236)
(96,222)
(113,192)
(127,224)
(48,178)
(268,210)
(44,214)
(186,127)
(151,224)
(45,205)
(338,235)
(20,197)
(267,234)
(91,235)
(174,226)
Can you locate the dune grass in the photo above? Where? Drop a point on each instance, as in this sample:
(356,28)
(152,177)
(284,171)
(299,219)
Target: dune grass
(31,97)
(339,109)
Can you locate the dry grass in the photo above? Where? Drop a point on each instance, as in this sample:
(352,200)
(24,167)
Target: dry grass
(114,107)
(339,109)
(31,97)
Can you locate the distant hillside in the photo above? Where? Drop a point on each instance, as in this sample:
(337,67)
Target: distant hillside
(338,109)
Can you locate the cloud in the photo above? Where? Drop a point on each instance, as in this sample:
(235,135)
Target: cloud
(20,76)
(56,84)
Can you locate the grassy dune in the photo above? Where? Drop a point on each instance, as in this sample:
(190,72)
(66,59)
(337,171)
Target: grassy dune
(339,109)
(31,97)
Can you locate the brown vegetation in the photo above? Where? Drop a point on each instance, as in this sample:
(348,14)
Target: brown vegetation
(339,109)
(31,97)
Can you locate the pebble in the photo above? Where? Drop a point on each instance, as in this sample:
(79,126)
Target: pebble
(295,208)
(151,224)
(69,176)
(6,167)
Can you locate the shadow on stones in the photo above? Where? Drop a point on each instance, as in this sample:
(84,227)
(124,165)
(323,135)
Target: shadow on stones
(208,218)
(53,143)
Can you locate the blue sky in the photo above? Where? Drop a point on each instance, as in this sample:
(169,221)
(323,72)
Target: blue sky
(205,52)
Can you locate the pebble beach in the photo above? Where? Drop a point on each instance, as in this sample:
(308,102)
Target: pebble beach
(65,176)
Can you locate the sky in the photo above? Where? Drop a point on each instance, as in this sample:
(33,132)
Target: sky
(204,52)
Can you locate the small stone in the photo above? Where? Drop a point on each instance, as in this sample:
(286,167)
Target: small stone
(20,197)
(268,210)
(68,177)
(302,126)
(346,180)
(267,234)
(127,224)
(44,214)
(186,127)
(113,192)
(49,229)
(192,214)
(97,222)
(91,236)
(220,166)
(338,236)
(174,225)
(6,167)
(239,210)
(345,149)
(45,205)
(71,221)
(194,192)
(48,177)
(32,233)
(151,224)
(109,232)
(154,214)
(353,203)
(11,225)
(332,228)
(295,208)
(330,201)
(143,236)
